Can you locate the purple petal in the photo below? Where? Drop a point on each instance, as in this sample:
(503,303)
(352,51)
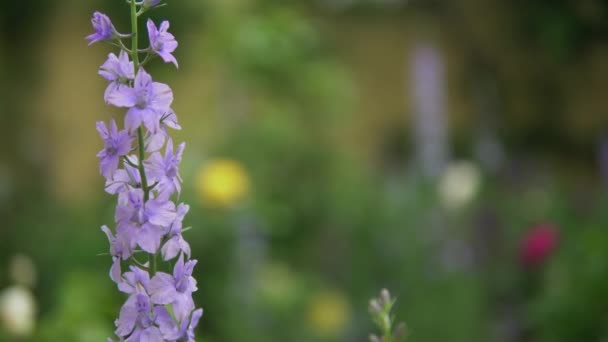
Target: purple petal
(162,97)
(151,120)
(151,334)
(184,246)
(171,248)
(196,316)
(115,272)
(108,232)
(127,317)
(156,141)
(160,213)
(167,57)
(108,165)
(156,166)
(182,306)
(171,120)
(178,269)
(108,69)
(189,267)
(152,31)
(162,289)
(167,325)
(124,142)
(134,118)
(142,80)
(120,95)
(102,129)
(126,68)
(149,237)
(164,26)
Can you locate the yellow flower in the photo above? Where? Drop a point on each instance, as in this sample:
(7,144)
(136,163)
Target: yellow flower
(222,183)
(328,313)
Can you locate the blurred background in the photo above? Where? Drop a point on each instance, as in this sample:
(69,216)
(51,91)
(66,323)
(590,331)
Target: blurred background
(455,152)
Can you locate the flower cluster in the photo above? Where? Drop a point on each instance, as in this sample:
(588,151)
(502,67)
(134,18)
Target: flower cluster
(146,181)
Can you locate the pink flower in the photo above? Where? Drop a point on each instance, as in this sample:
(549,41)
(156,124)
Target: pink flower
(538,244)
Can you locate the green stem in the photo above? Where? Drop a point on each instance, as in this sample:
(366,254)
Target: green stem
(140,131)
(134,37)
(142,171)
(152,261)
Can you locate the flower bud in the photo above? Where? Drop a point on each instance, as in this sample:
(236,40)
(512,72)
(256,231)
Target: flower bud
(385,296)
(104,30)
(375,307)
(151,3)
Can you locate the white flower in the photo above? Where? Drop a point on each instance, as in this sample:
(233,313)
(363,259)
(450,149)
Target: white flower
(17,311)
(459,184)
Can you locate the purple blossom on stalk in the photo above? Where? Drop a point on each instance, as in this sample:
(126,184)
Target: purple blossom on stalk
(136,320)
(117,144)
(145,225)
(165,170)
(135,281)
(157,140)
(117,70)
(119,247)
(185,332)
(104,30)
(176,242)
(159,305)
(123,180)
(147,102)
(162,42)
(175,289)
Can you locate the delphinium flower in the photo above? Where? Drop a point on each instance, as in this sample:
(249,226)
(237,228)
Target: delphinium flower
(104,30)
(147,101)
(162,42)
(117,144)
(148,221)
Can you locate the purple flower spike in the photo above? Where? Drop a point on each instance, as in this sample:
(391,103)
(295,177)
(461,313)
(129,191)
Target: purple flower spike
(117,144)
(104,30)
(147,102)
(148,220)
(162,42)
